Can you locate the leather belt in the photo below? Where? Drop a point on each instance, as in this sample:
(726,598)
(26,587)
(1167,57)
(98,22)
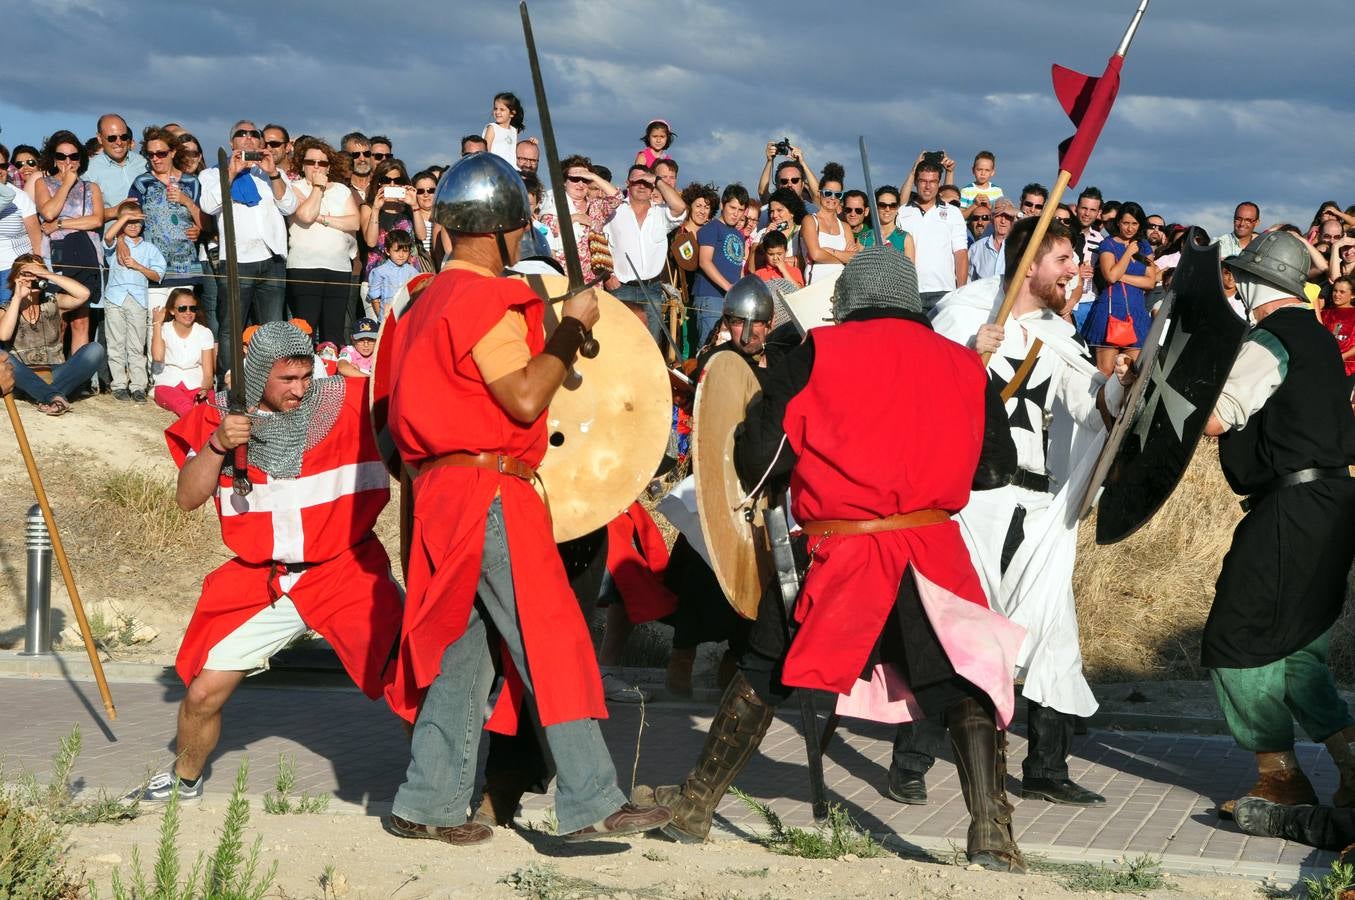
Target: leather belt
(1293,479)
(915,519)
(507,465)
(1032,481)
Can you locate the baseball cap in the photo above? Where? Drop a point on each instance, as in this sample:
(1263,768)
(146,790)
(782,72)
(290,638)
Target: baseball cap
(365,329)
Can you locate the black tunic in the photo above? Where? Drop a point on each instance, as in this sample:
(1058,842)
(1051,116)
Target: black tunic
(1284,580)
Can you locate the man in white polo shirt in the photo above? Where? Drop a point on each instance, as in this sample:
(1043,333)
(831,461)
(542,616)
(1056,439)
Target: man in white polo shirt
(938,232)
(638,233)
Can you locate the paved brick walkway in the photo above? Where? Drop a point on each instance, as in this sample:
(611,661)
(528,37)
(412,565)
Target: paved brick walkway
(1161,788)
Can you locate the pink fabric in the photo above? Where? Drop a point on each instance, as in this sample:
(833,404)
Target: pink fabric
(177,399)
(982,646)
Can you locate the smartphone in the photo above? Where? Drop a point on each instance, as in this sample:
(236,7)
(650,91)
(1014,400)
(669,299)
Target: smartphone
(251,155)
(393,193)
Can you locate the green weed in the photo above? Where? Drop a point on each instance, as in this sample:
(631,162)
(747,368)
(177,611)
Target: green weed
(1332,885)
(836,838)
(1134,876)
(282,803)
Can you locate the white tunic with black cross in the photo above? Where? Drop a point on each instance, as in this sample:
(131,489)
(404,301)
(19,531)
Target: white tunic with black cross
(1023,540)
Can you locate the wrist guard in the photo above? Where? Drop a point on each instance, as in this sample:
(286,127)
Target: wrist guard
(565,340)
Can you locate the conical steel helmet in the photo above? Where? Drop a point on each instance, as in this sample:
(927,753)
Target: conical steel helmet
(481,194)
(1277,258)
(750,299)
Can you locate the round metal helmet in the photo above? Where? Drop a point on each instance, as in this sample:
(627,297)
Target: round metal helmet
(751,299)
(1277,258)
(481,194)
(534,246)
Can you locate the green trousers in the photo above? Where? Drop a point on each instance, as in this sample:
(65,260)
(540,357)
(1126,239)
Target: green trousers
(1261,704)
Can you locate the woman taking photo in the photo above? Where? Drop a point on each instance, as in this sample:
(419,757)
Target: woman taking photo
(825,241)
(1119,321)
(390,205)
(168,197)
(31,325)
(183,354)
(321,242)
(71,210)
(784,210)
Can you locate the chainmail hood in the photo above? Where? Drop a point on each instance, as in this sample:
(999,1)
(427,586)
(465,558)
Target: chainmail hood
(876,277)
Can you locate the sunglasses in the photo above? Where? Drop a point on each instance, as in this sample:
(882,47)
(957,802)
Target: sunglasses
(158,154)
(318,163)
(858,210)
(274,145)
(393,179)
(26,163)
(1153,226)
(1244,219)
(248,133)
(123,138)
(980,218)
(883,205)
(1066,220)
(425,191)
(1026,204)
(788,181)
(578,179)
(831,195)
(381,156)
(185,308)
(66,157)
(640,182)
(360,154)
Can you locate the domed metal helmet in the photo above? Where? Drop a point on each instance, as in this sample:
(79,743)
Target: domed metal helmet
(751,300)
(1277,258)
(481,194)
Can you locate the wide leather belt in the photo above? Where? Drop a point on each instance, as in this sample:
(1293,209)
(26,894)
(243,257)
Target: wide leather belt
(1031,481)
(899,522)
(497,461)
(1293,479)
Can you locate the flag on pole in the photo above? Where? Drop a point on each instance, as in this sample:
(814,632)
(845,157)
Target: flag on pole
(1087,101)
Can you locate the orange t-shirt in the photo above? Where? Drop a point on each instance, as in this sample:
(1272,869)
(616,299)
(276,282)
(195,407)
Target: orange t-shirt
(771,273)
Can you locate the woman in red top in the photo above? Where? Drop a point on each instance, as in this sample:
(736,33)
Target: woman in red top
(1339,317)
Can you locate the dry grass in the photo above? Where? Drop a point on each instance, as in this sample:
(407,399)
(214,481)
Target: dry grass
(137,511)
(1142,603)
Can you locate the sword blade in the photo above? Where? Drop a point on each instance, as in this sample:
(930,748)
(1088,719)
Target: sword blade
(564,214)
(239,460)
(878,228)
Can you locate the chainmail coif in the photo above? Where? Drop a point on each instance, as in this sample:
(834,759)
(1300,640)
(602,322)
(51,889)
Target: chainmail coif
(780,312)
(277,440)
(876,277)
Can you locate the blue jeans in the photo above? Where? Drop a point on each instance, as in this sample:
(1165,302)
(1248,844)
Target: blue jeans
(68,378)
(262,296)
(440,780)
(649,296)
(708,310)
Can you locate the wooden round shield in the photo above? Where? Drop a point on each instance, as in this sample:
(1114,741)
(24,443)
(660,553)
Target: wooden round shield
(607,427)
(735,536)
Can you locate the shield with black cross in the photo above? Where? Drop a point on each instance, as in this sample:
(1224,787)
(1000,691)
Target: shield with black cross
(1185,361)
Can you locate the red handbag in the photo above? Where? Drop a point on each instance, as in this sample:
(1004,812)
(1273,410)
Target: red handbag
(1120,332)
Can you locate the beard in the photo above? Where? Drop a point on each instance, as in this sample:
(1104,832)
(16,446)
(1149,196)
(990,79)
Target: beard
(1050,292)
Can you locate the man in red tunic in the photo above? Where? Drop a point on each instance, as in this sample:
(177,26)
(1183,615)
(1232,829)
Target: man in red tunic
(890,589)
(306,556)
(472,377)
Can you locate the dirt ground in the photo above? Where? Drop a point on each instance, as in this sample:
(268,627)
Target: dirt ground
(348,856)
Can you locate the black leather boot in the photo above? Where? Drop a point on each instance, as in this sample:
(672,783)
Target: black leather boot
(1317,826)
(737,730)
(981,760)
(1045,771)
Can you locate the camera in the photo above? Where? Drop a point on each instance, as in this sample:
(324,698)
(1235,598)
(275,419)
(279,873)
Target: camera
(934,156)
(783,147)
(251,155)
(45,288)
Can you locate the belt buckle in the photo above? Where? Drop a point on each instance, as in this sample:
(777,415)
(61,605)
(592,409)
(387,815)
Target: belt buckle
(500,458)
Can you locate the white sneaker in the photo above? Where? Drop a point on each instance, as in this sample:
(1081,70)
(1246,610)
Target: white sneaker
(617,690)
(165,785)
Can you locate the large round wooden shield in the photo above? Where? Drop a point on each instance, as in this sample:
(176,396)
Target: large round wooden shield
(607,427)
(735,536)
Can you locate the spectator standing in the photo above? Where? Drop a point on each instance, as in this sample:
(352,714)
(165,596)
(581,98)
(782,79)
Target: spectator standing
(887,201)
(590,216)
(779,263)
(321,240)
(527,156)
(134,264)
(72,212)
(825,240)
(31,328)
(1339,318)
(278,143)
(938,231)
(987,255)
(389,206)
(183,354)
(117,164)
(473,143)
(856,212)
(667,170)
(19,229)
(1033,198)
(25,165)
(359,150)
(425,189)
(168,199)
(394,273)
(1127,272)
(1087,237)
(790,173)
(507,120)
(382,149)
(638,234)
(1246,217)
(720,252)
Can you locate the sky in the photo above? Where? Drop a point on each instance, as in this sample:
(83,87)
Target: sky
(1221,100)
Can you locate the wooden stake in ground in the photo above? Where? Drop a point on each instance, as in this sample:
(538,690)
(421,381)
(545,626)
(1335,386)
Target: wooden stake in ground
(59,549)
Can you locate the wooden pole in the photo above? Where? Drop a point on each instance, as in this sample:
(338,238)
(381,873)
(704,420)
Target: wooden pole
(1028,257)
(22,437)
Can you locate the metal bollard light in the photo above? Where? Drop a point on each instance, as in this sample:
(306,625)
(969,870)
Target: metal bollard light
(38,627)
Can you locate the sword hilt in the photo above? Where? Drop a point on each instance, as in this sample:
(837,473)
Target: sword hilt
(590,347)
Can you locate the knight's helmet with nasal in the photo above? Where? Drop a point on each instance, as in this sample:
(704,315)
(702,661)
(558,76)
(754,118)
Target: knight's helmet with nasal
(483,194)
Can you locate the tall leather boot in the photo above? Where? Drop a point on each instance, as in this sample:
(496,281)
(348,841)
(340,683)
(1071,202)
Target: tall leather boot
(1279,780)
(981,760)
(738,728)
(1341,746)
(1045,771)
(1317,826)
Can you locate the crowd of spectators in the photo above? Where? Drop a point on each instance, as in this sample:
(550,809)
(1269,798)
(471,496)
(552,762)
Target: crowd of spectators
(111,264)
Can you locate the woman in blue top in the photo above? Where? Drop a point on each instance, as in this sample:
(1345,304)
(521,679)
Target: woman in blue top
(168,197)
(1126,269)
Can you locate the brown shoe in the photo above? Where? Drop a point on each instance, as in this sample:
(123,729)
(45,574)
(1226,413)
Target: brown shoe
(629,819)
(1279,780)
(464,835)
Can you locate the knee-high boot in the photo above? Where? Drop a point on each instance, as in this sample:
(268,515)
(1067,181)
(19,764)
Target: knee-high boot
(981,759)
(734,736)
(1323,827)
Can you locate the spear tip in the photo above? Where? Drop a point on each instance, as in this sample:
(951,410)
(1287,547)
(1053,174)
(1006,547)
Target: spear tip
(1133,27)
